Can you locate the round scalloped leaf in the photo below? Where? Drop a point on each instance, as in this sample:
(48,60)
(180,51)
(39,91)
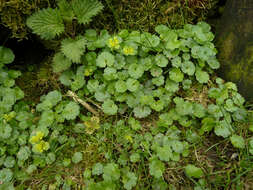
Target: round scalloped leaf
(201,76)
(132,84)
(23,153)
(156,168)
(47,23)
(142,111)
(188,67)
(6,175)
(77,157)
(136,70)
(105,59)
(6,55)
(121,86)
(176,75)
(109,107)
(161,60)
(71,111)
(237,141)
(193,171)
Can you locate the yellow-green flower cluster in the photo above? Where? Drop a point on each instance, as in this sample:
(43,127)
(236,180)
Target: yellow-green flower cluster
(87,72)
(39,144)
(10,116)
(114,42)
(128,50)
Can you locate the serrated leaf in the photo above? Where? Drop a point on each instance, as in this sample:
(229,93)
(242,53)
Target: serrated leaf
(73,49)
(60,63)
(47,23)
(86,9)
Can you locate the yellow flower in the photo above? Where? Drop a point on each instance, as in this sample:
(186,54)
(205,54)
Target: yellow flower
(92,125)
(128,50)
(42,146)
(114,43)
(87,72)
(36,138)
(10,116)
(129,138)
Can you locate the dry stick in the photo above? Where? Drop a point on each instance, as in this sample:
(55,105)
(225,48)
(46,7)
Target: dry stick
(82,102)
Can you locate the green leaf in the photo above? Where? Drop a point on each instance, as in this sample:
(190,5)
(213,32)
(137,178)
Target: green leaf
(71,111)
(6,175)
(213,63)
(188,68)
(132,84)
(222,129)
(65,10)
(161,60)
(121,86)
(142,111)
(171,86)
(229,106)
(158,81)
(135,157)
(6,55)
(176,62)
(156,71)
(164,153)
(109,107)
(23,153)
(47,23)
(237,141)
(105,59)
(136,70)
(77,157)
(50,158)
(86,9)
(202,76)
(176,75)
(60,63)
(111,172)
(97,169)
(193,171)
(129,180)
(9,162)
(199,110)
(73,49)
(156,168)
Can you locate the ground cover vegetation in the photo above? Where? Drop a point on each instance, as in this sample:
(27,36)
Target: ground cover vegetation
(132,110)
